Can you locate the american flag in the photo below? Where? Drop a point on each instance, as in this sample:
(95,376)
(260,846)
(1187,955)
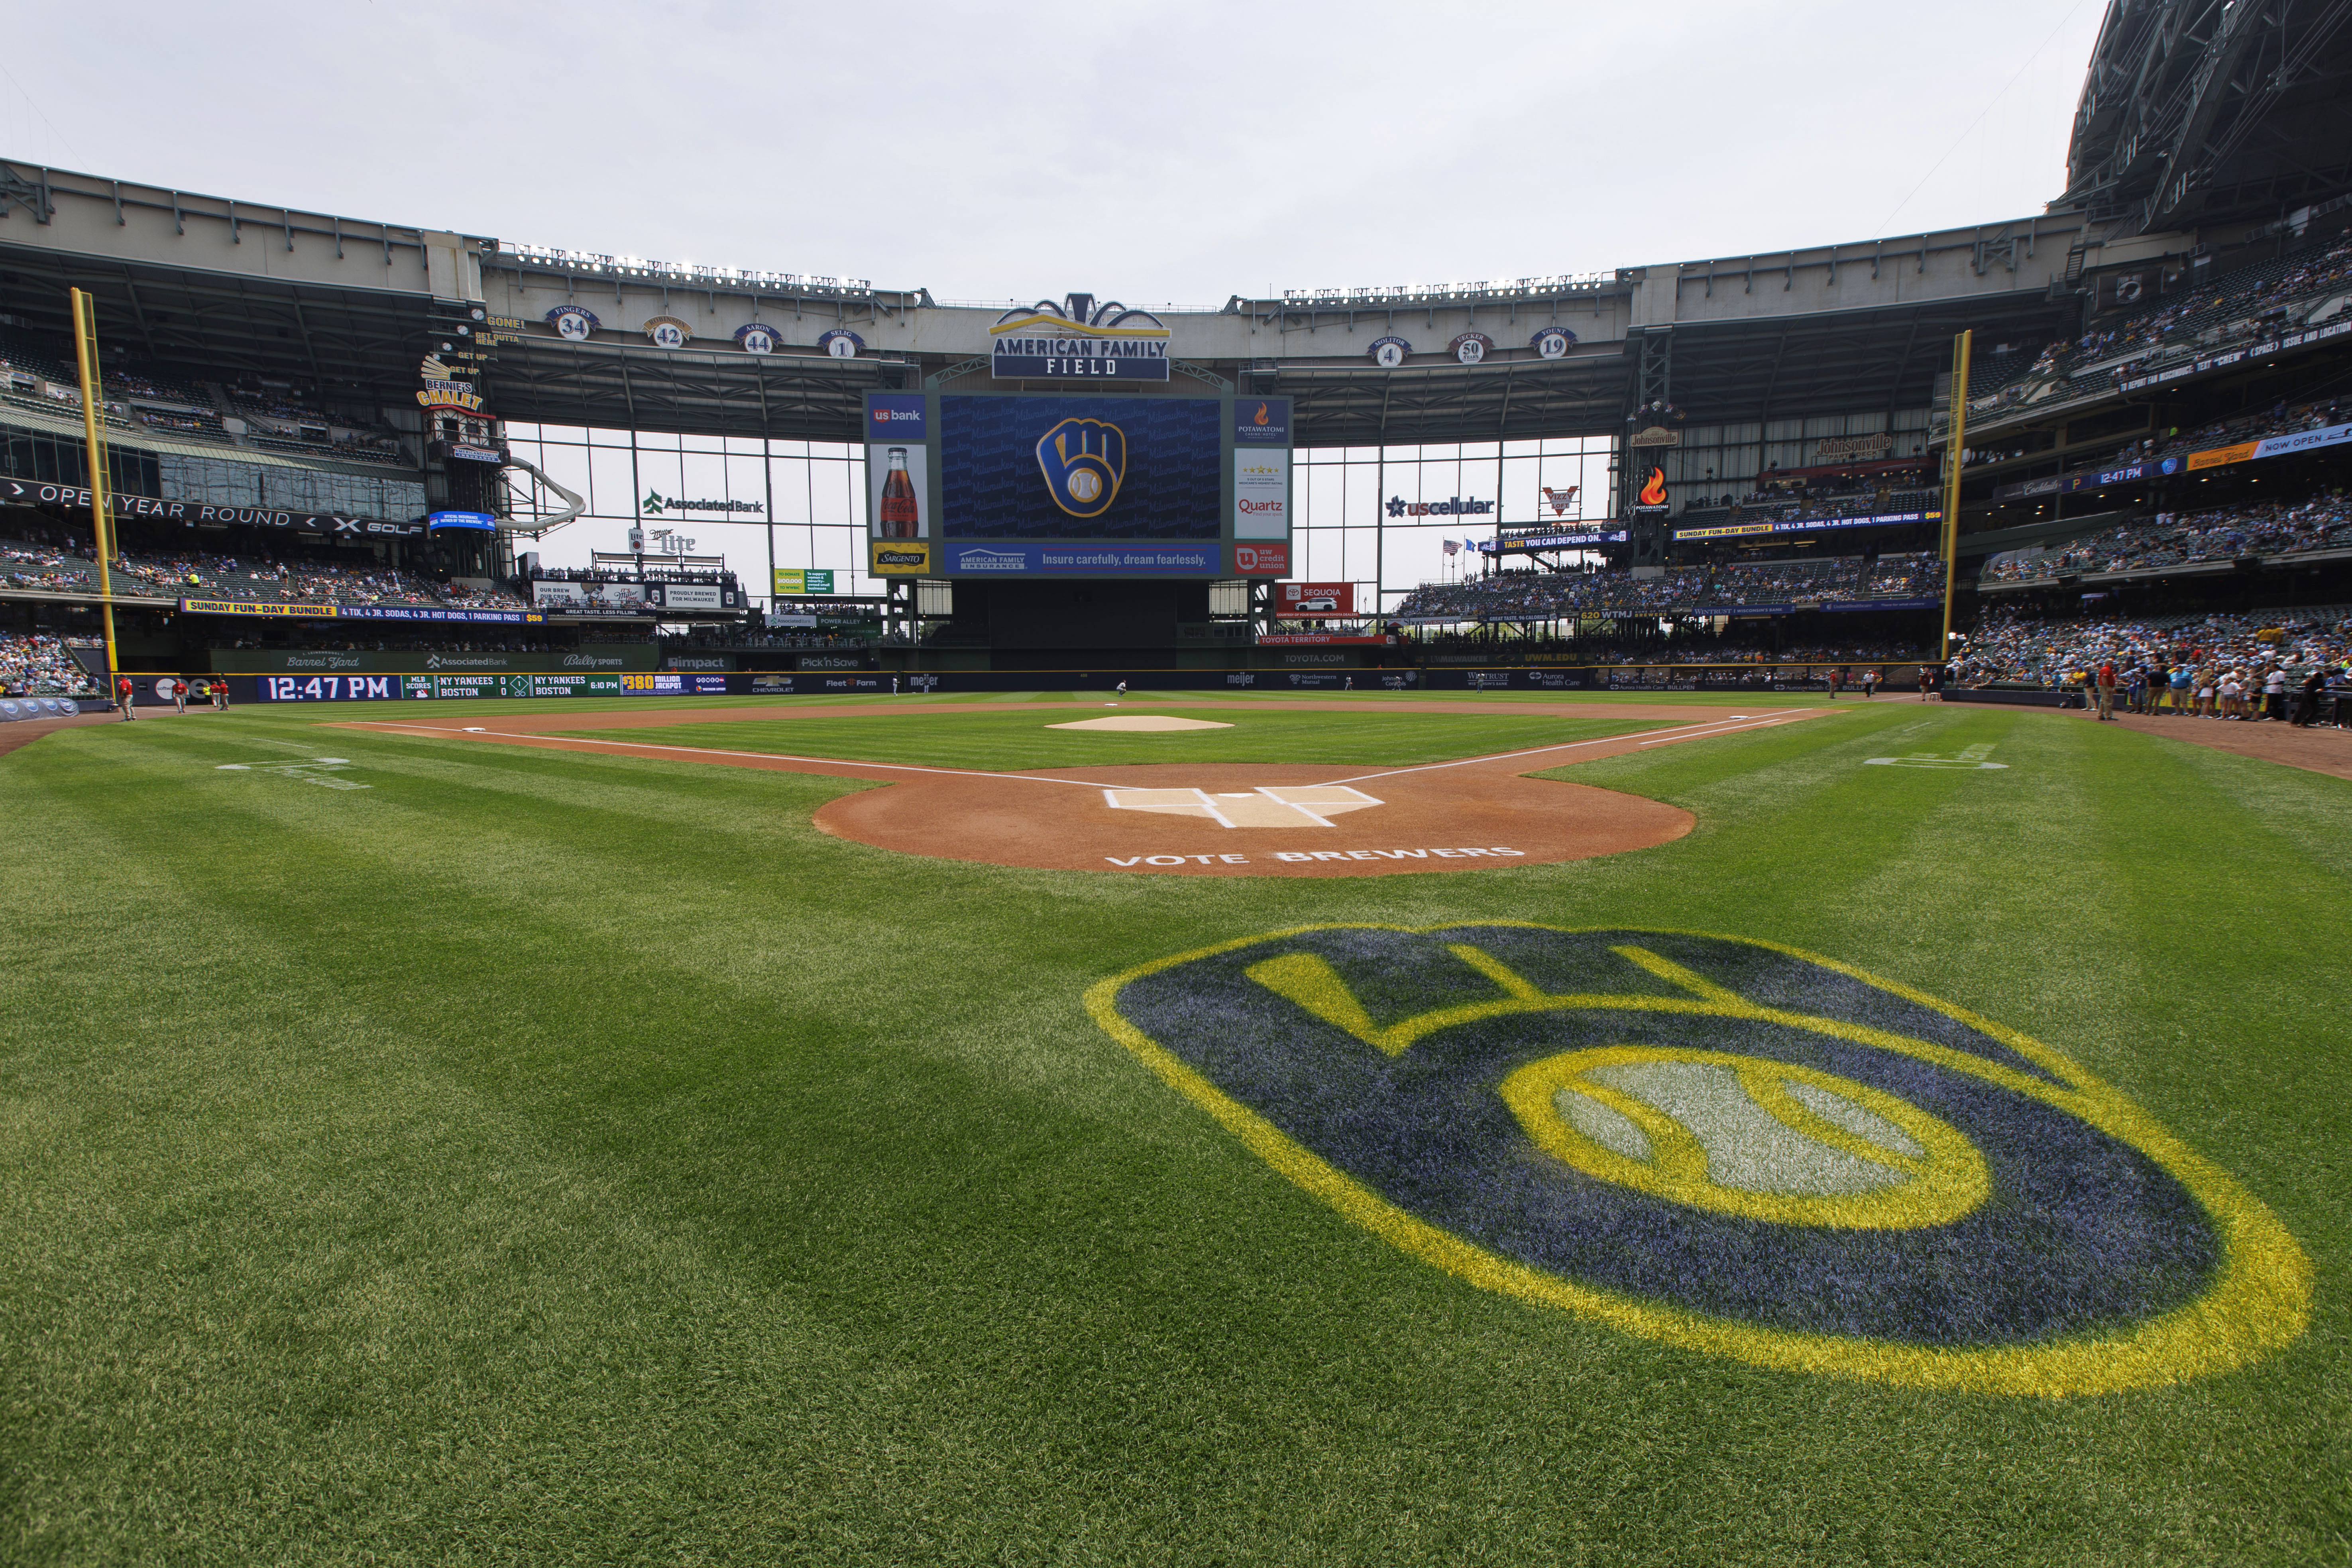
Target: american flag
(1452,546)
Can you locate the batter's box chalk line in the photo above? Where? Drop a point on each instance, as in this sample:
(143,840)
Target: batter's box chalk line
(1268,805)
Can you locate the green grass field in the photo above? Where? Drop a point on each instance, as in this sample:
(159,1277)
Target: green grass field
(944,737)
(553,1156)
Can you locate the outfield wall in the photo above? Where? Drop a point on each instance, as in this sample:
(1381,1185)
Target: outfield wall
(420,685)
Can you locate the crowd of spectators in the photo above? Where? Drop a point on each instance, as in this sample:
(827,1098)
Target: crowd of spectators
(1823,499)
(2279,419)
(36,665)
(2243,303)
(2169,539)
(1680,590)
(2214,666)
(34,565)
(1679,650)
(31,566)
(281,416)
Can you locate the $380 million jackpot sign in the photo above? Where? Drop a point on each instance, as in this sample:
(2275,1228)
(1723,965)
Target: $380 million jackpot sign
(1727,1145)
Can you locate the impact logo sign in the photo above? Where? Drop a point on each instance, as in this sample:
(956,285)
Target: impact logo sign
(1083,461)
(1727,1145)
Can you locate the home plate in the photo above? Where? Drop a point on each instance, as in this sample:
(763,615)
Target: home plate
(1268,805)
(1141,722)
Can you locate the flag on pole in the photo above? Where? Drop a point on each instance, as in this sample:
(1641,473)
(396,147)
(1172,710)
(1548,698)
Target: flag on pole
(1452,546)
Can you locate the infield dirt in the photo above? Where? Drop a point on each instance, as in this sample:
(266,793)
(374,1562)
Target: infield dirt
(1207,819)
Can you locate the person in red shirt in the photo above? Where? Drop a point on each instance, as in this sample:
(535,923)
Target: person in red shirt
(2106,684)
(125,691)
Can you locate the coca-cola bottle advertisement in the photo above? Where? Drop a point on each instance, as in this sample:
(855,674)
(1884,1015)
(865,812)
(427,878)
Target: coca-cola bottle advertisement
(898,491)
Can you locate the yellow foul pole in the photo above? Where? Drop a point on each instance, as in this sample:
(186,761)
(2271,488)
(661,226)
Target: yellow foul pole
(1958,430)
(93,430)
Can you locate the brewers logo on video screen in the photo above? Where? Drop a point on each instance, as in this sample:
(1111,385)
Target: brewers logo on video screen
(1083,461)
(1728,1145)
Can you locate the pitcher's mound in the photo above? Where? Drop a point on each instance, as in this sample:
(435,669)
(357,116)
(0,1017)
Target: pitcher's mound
(1141,722)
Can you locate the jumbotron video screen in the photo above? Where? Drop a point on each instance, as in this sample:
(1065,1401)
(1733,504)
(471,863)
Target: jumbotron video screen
(1020,485)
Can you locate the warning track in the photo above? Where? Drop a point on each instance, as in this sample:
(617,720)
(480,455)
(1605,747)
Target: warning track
(1197,820)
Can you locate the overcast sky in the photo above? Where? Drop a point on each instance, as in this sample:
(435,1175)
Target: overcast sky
(1153,152)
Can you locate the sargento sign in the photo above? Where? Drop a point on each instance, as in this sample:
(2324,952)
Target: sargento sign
(32,492)
(1078,339)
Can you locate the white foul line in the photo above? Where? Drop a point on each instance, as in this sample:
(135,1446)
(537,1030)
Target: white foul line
(713,751)
(1695,733)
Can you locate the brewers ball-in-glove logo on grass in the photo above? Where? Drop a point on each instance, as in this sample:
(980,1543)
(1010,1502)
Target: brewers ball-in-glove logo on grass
(1727,1145)
(1083,461)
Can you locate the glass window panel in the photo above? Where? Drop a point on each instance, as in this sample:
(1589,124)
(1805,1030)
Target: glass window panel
(612,491)
(829,495)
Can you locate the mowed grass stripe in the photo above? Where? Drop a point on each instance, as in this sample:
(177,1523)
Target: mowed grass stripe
(1006,741)
(591,1160)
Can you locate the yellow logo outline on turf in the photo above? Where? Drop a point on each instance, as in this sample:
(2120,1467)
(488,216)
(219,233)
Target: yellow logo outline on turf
(2260,1301)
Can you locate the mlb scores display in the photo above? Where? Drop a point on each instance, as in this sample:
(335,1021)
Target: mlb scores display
(1036,484)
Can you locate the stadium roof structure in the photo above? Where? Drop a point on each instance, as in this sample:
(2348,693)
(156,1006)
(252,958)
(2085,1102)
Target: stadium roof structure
(2196,112)
(208,288)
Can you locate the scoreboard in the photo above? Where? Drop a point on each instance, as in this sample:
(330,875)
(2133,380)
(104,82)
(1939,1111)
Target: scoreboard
(1052,485)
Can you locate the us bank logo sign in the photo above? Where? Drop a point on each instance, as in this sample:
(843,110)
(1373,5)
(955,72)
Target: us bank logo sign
(1727,1145)
(895,416)
(1078,338)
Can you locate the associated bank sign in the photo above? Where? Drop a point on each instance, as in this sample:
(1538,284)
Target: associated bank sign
(1078,339)
(655,504)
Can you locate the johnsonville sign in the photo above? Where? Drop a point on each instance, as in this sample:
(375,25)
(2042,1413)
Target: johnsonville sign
(31,492)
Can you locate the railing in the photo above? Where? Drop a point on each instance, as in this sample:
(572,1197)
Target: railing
(1478,293)
(684,271)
